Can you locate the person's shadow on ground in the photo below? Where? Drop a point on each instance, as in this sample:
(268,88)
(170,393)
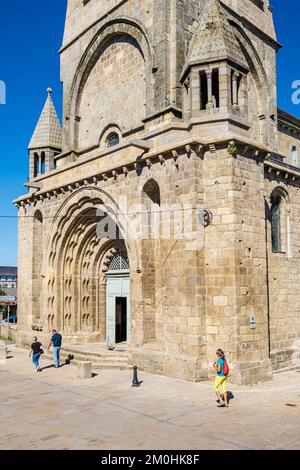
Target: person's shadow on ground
(230,397)
(47,367)
(52,366)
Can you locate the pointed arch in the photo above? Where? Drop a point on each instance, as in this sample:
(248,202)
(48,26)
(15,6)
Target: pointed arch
(113,28)
(294,155)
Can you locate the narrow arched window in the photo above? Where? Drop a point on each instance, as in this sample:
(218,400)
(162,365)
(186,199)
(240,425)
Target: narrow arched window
(294,154)
(36,164)
(151,192)
(43,162)
(112,140)
(203,90)
(279,218)
(276,224)
(151,223)
(216,88)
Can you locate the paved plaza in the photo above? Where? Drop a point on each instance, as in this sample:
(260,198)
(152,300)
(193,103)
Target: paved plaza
(55,410)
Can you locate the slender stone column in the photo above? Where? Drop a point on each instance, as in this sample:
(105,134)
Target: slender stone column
(210,104)
(235,98)
(244,94)
(40,164)
(48,160)
(195,90)
(31,165)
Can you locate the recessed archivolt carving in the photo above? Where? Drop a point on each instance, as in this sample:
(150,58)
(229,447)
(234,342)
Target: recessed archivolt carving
(83,240)
(86,321)
(71,206)
(76,252)
(67,322)
(110,256)
(50,321)
(51,257)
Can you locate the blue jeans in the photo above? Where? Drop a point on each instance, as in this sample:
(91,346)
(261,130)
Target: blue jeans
(36,359)
(56,352)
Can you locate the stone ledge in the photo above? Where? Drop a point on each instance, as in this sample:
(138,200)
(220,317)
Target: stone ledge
(251,373)
(170,365)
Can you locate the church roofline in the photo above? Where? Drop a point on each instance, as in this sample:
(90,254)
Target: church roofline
(287,118)
(167,151)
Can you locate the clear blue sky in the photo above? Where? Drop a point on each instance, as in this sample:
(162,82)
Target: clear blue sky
(30,38)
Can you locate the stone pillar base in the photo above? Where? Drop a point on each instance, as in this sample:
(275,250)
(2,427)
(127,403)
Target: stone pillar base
(170,365)
(194,369)
(284,359)
(3,355)
(251,373)
(84,370)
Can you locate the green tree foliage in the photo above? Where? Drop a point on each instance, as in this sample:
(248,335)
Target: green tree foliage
(2,291)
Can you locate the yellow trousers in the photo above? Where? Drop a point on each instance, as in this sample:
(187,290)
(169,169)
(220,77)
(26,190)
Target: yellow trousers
(220,382)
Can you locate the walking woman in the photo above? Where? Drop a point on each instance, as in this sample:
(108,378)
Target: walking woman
(35,351)
(222,370)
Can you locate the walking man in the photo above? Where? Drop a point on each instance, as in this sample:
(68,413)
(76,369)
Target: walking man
(36,350)
(56,341)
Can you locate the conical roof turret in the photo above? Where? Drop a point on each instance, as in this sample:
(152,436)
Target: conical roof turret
(48,132)
(214,39)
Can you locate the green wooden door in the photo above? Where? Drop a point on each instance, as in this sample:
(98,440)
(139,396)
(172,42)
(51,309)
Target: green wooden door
(117,286)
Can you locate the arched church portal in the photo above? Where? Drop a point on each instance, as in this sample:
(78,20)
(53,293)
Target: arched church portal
(88,277)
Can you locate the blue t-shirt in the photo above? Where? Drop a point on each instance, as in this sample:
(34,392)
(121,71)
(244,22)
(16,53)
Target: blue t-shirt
(56,340)
(220,362)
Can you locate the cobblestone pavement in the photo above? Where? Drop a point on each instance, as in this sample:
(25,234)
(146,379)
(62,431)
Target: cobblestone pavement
(54,410)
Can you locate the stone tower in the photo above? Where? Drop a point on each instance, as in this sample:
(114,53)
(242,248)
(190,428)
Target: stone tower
(187,51)
(167,104)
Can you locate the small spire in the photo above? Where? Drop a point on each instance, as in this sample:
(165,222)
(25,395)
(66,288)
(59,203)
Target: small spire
(214,38)
(48,132)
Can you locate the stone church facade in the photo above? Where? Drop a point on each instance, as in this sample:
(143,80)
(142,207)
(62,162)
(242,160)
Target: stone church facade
(166,104)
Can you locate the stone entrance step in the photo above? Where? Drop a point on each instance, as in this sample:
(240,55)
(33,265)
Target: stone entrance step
(100,357)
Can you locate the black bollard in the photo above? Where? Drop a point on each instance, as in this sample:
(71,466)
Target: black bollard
(135,381)
(69,359)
